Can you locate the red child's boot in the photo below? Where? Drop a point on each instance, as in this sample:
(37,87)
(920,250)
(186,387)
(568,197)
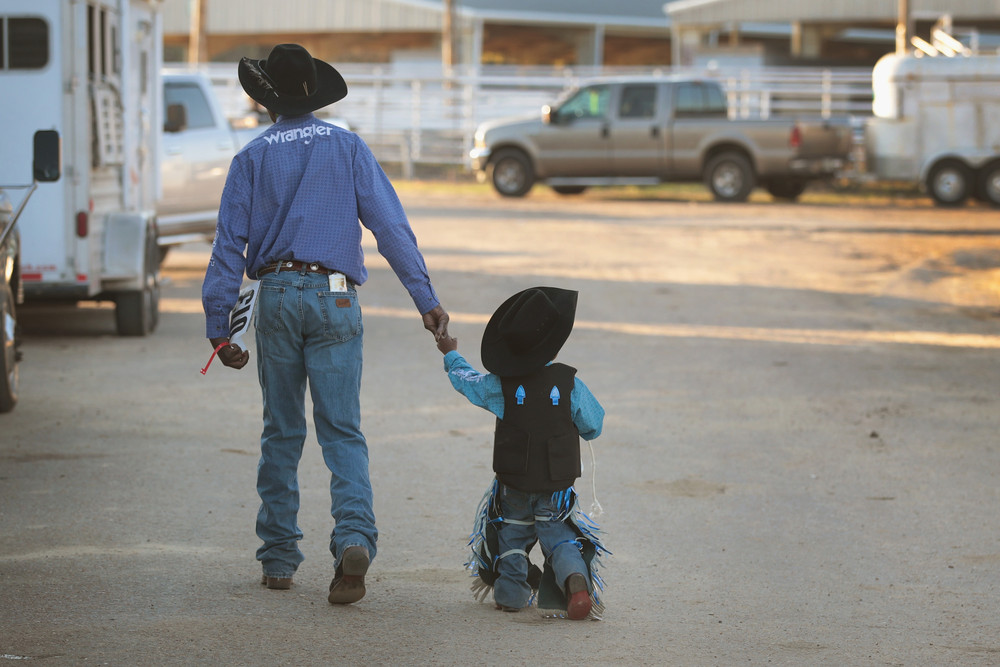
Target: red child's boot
(578,597)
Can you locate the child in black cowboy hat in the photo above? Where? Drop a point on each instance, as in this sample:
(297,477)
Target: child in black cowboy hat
(542,412)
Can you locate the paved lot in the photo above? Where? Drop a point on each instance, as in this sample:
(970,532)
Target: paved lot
(800,462)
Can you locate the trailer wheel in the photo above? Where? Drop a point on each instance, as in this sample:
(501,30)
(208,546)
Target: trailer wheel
(949,183)
(788,190)
(8,355)
(137,312)
(511,173)
(730,177)
(989,183)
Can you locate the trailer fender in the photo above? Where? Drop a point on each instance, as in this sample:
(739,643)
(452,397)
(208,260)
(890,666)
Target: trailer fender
(127,239)
(972,159)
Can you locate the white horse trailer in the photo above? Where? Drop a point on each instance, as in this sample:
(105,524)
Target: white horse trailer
(88,70)
(937,121)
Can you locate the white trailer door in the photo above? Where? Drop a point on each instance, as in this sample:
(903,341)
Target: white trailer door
(31,77)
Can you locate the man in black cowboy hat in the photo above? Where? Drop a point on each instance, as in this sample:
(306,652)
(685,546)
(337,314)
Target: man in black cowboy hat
(292,202)
(542,411)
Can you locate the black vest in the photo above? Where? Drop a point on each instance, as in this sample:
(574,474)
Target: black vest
(536,447)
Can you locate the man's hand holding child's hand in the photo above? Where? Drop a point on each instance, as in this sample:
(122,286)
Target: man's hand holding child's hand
(447,344)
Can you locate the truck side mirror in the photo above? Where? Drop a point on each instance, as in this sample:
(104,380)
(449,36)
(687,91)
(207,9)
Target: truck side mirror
(176,118)
(46,163)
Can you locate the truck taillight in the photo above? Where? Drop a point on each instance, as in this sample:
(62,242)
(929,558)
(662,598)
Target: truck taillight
(82,223)
(795,141)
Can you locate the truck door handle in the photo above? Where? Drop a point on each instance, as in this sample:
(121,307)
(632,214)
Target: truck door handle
(654,131)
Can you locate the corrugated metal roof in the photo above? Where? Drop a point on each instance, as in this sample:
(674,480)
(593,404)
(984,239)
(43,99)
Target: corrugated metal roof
(617,12)
(253,16)
(269,16)
(726,11)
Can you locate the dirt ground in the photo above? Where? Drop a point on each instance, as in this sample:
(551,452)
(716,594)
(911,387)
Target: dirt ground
(799,463)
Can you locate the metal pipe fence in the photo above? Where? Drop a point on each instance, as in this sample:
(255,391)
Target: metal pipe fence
(412,116)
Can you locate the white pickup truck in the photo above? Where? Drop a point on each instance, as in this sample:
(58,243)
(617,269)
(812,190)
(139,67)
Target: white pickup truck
(199,142)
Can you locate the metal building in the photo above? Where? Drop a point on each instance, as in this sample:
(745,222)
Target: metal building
(573,32)
(823,31)
(514,32)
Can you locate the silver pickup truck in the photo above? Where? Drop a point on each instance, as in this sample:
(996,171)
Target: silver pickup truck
(652,130)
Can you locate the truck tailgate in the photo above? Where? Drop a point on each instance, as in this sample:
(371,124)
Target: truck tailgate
(824,138)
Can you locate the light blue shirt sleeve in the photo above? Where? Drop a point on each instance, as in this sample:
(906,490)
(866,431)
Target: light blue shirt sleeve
(482,390)
(588,415)
(486,391)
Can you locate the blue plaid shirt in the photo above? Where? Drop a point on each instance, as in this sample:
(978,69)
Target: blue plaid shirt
(297,191)
(486,392)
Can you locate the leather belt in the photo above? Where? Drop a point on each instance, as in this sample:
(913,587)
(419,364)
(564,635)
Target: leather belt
(295,265)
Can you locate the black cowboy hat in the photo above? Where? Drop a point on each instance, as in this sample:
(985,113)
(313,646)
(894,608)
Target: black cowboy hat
(290,82)
(528,330)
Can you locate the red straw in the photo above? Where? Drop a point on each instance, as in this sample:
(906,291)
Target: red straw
(212,358)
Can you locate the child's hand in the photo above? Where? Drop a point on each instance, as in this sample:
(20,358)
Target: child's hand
(447,344)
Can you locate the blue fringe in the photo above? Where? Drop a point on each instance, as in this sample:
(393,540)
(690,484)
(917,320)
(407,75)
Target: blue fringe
(568,503)
(478,537)
(592,532)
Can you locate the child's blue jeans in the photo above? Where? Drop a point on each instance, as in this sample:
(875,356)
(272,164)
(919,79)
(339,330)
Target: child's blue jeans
(537,517)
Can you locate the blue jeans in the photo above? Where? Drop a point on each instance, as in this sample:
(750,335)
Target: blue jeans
(556,537)
(307,333)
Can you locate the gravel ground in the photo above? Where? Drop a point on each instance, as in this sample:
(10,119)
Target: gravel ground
(799,464)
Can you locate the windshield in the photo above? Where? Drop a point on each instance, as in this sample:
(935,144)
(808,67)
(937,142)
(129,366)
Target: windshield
(589,102)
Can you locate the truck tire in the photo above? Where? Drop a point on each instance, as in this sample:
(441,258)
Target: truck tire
(989,183)
(949,183)
(137,312)
(789,190)
(8,353)
(511,173)
(729,176)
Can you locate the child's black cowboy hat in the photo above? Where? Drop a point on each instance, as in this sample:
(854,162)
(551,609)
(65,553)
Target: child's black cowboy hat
(528,330)
(290,82)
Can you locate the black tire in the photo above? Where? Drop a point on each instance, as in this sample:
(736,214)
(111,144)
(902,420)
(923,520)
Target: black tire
(511,173)
(989,183)
(8,353)
(570,189)
(138,312)
(949,183)
(789,190)
(730,177)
